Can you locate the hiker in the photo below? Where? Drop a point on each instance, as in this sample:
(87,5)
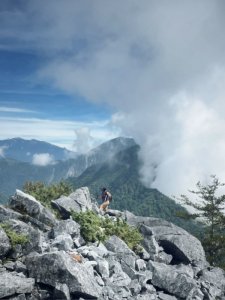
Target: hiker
(106,198)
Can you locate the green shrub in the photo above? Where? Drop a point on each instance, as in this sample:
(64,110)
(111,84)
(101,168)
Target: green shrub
(95,228)
(14,237)
(45,193)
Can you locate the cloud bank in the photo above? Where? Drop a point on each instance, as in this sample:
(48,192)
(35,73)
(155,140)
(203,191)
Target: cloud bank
(43,159)
(159,64)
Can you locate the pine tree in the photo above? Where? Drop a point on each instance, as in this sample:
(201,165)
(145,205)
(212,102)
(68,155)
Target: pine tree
(209,207)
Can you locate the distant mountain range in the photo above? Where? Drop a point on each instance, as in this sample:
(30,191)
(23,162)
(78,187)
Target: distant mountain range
(24,150)
(14,172)
(113,164)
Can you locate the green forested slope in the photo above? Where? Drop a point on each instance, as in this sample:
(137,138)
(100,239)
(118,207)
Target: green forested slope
(121,177)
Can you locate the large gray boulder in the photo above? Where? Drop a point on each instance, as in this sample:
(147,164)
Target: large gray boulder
(184,247)
(27,204)
(7,213)
(59,267)
(63,242)
(5,245)
(13,283)
(34,238)
(78,201)
(174,281)
(123,254)
(66,227)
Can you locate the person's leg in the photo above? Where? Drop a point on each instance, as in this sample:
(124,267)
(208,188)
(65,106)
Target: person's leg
(104,205)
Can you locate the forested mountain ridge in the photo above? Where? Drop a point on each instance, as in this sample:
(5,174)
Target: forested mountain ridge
(121,177)
(14,173)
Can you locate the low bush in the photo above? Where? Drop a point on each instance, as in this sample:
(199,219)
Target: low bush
(14,237)
(45,193)
(94,228)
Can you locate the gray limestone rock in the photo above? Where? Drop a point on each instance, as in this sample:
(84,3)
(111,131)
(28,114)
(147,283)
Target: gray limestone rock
(27,204)
(163,257)
(20,267)
(83,198)
(19,297)
(123,254)
(59,267)
(7,213)
(66,227)
(214,276)
(115,213)
(176,241)
(5,245)
(140,265)
(103,268)
(61,292)
(163,296)
(78,201)
(65,205)
(10,266)
(171,280)
(211,291)
(63,242)
(12,283)
(34,238)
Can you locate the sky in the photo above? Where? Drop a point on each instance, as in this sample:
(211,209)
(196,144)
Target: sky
(77,70)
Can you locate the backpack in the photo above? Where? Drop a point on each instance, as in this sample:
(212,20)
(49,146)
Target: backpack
(109,196)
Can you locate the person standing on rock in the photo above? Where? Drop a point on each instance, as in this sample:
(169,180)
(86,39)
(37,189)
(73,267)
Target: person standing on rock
(106,199)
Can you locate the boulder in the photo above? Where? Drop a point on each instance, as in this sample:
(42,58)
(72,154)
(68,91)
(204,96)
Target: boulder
(13,283)
(34,238)
(183,246)
(103,268)
(61,292)
(175,241)
(214,276)
(173,281)
(7,213)
(115,213)
(59,267)
(63,242)
(78,201)
(5,245)
(66,227)
(83,198)
(123,254)
(163,296)
(27,204)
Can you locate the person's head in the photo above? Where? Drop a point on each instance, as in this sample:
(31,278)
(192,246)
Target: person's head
(103,189)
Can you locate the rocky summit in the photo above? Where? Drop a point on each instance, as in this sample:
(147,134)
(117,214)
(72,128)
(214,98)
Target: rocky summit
(55,262)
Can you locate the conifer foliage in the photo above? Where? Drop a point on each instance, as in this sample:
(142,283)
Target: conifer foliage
(210,206)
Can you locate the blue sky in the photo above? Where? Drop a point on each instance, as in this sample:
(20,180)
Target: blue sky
(82,70)
(28,103)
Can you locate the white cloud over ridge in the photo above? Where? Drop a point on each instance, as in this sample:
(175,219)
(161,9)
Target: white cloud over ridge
(160,64)
(58,132)
(2,151)
(43,159)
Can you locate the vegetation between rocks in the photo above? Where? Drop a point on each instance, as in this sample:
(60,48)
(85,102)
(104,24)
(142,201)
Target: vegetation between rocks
(46,193)
(14,237)
(95,228)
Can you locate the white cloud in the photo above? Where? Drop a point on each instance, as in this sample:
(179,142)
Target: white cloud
(43,159)
(84,140)
(159,64)
(15,110)
(2,151)
(59,132)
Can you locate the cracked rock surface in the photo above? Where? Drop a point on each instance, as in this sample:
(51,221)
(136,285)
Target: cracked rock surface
(56,262)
